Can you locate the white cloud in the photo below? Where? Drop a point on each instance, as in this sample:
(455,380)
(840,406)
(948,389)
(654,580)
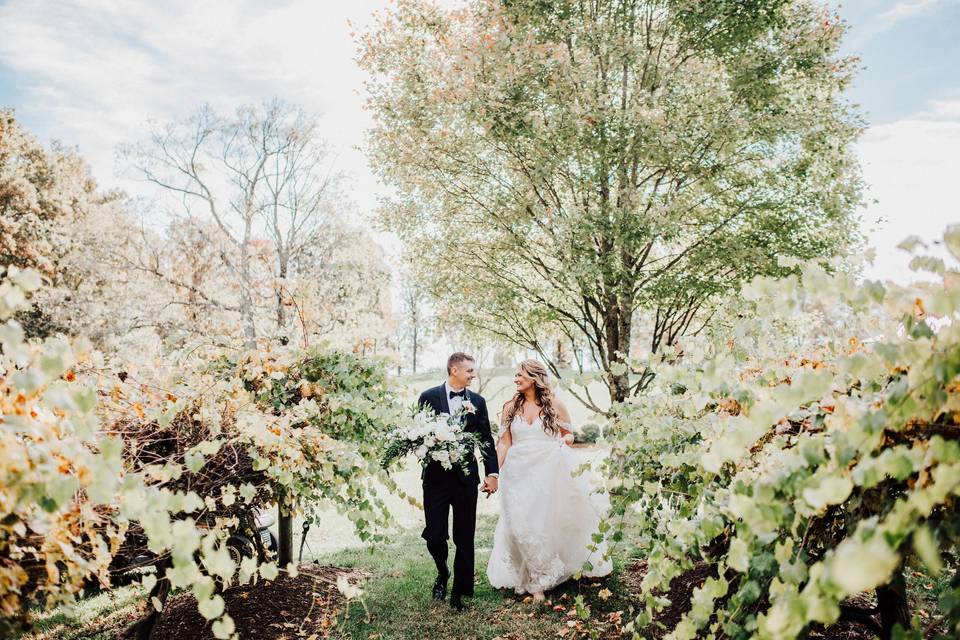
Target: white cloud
(903,10)
(944,110)
(888,19)
(912,170)
(93,72)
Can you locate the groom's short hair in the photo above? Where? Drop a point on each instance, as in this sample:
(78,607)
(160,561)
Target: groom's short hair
(457,358)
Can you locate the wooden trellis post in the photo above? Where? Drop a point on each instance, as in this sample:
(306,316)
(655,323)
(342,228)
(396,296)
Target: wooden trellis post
(285,542)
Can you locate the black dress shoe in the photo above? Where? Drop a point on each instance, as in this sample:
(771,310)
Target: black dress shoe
(457,605)
(440,587)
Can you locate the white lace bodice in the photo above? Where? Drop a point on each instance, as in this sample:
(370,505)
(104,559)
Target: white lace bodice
(522,432)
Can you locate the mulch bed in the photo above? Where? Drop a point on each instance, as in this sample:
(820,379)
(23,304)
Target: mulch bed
(845,629)
(303,607)
(681,593)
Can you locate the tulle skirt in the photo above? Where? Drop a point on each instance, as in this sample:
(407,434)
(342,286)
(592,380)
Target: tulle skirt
(547,519)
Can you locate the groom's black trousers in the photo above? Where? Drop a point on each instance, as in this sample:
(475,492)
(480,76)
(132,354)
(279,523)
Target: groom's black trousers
(438,499)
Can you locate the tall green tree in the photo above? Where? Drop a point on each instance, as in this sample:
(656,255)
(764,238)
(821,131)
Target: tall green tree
(598,168)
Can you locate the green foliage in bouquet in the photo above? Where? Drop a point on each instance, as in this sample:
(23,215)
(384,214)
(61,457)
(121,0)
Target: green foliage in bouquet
(807,451)
(432,438)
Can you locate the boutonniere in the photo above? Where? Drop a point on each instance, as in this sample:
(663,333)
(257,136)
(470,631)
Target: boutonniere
(468,407)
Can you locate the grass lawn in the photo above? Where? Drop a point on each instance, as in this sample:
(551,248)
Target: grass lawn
(398,598)
(101,617)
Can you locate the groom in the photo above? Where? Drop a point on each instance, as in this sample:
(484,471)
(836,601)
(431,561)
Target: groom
(445,489)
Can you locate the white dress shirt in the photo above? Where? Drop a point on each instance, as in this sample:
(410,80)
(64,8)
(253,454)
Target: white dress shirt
(455,403)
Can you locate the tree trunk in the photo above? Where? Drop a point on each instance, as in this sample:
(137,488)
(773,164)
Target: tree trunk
(893,605)
(246,293)
(285,541)
(416,346)
(143,628)
(617,334)
(281,310)
(192,298)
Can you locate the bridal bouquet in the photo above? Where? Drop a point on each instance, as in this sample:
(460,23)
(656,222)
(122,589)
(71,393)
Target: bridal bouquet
(432,437)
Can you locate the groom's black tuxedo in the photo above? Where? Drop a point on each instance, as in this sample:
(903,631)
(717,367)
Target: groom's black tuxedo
(478,422)
(445,489)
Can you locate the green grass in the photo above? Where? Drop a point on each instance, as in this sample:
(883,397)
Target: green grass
(100,617)
(397,596)
(924,591)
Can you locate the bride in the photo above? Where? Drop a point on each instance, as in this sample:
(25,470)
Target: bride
(547,515)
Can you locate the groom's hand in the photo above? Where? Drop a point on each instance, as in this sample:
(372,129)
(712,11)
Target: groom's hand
(489,485)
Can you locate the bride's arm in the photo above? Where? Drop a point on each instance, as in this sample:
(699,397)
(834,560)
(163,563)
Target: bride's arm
(563,418)
(505,439)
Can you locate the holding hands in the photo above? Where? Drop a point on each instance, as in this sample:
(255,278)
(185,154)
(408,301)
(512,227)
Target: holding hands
(489,485)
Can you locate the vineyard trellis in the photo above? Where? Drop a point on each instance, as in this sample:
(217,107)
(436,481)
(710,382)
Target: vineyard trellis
(105,469)
(805,450)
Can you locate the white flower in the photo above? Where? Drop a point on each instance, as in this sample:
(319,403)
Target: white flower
(443,457)
(468,407)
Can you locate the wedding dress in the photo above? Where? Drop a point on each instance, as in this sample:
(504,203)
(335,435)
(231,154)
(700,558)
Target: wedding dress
(547,515)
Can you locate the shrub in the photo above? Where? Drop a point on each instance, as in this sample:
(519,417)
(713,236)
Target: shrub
(805,450)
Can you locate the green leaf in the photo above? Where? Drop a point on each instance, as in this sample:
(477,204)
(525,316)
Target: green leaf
(211,608)
(738,557)
(858,566)
(831,490)
(927,548)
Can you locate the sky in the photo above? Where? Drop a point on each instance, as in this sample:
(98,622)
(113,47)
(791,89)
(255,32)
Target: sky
(91,73)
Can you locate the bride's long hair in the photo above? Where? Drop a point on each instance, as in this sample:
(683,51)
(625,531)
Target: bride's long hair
(543,394)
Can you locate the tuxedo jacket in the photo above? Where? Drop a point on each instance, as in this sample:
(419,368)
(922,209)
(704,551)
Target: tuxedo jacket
(478,422)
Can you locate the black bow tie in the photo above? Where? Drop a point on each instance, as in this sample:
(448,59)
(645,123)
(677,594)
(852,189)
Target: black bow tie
(462,393)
